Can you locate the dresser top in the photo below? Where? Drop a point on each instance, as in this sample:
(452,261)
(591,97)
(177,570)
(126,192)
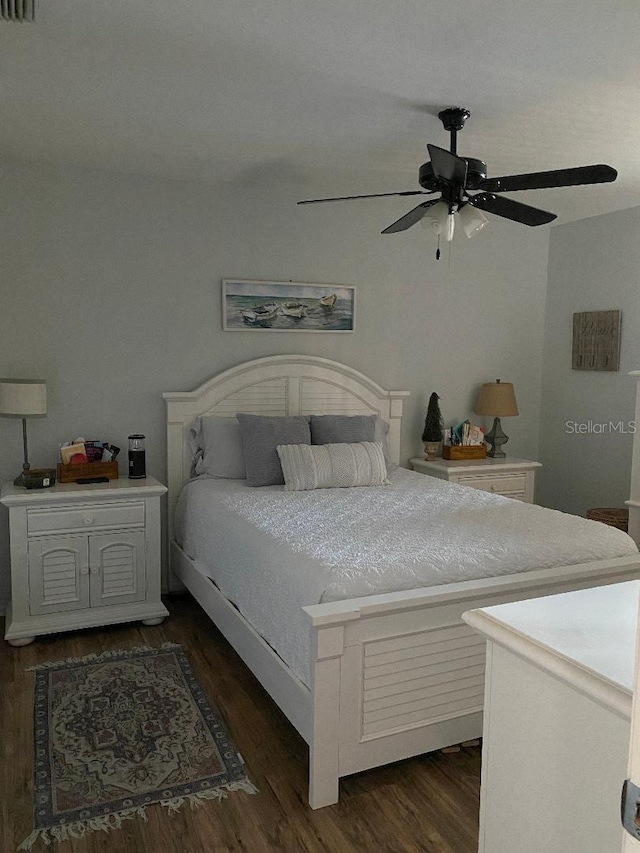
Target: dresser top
(474,466)
(587,637)
(123,487)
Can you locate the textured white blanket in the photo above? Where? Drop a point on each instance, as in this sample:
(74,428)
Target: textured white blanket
(272,552)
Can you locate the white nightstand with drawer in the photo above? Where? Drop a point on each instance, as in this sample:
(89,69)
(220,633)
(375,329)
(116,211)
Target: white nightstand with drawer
(83,555)
(513,478)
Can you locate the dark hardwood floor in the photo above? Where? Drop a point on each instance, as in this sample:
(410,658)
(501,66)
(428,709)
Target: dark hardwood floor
(428,803)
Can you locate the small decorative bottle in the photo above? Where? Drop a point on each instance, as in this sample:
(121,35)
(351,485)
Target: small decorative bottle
(137,465)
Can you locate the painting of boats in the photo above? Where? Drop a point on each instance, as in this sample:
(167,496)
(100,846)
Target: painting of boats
(278,306)
(328,301)
(260,315)
(295,309)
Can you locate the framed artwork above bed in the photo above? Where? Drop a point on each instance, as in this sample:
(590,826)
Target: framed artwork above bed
(278,306)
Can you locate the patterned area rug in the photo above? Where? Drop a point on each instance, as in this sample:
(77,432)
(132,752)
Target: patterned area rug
(117,732)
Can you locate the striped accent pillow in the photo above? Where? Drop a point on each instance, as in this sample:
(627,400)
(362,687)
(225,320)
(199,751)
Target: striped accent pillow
(332,466)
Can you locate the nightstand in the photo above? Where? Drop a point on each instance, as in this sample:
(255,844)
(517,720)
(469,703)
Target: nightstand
(82,556)
(513,478)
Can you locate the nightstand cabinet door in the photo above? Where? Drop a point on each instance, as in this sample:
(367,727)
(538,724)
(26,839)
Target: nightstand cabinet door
(117,566)
(58,574)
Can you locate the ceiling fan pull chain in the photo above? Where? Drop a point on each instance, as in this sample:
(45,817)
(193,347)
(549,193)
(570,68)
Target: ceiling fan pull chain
(438,249)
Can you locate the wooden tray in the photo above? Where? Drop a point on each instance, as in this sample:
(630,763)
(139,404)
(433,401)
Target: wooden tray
(613,516)
(71,473)
(461,451)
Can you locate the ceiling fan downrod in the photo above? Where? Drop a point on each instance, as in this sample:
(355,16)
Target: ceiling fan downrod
(453,119)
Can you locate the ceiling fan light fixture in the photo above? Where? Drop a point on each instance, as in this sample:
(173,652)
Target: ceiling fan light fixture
(472,220)
(449,228)
(439,219)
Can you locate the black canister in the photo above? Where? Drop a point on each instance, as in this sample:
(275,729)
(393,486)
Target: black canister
(137,465)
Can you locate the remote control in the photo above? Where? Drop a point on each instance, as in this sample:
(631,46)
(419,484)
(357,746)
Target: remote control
(83,480)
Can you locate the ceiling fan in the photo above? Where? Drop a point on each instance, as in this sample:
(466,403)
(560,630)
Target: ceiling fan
(454,177)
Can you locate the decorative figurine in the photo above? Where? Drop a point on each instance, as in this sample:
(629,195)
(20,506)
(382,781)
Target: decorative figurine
(433,423)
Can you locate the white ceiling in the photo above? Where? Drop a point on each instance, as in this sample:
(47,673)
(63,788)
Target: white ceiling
(336,94)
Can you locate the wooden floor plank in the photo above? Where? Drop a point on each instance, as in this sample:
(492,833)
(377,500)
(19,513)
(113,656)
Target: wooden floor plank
(428,803)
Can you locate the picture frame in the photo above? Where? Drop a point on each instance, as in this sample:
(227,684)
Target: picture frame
(287,306)
(596,340)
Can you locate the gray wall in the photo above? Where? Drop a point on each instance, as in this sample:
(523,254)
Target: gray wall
(594,265)
(111,292)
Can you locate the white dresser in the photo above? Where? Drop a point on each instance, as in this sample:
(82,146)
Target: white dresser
(83,555)
(513,478)
(558,694)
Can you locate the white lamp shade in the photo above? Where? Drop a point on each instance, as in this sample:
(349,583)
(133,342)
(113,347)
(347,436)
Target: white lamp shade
(23,398)
(472,220)
(439,219)
(497,399)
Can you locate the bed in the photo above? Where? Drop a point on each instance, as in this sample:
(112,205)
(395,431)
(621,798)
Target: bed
(374,677)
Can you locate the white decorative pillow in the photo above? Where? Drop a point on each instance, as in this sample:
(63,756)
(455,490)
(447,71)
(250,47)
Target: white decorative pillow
(332,466)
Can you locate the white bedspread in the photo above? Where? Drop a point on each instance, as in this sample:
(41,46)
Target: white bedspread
(272,552)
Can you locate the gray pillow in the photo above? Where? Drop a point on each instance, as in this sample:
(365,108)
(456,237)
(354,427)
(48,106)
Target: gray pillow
(342,429)
(381,436)
(261,435)
(217,446)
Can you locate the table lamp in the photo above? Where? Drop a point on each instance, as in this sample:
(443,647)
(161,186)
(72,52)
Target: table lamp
(23,398)
(498,400)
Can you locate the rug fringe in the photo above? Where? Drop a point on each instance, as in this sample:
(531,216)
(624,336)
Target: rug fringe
(220,793)
(115,653)
(80,828)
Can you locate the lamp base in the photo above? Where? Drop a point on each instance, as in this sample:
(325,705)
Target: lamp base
(495,439)
(36,478)
(19,480)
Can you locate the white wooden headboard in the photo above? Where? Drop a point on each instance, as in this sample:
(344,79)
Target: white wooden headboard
(276,385)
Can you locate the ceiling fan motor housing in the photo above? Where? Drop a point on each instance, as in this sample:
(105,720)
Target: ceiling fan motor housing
(476,173)
(454,118)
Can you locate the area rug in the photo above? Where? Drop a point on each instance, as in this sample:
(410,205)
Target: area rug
(117,732)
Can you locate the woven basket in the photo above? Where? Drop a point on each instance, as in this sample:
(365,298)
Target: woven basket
(613,516)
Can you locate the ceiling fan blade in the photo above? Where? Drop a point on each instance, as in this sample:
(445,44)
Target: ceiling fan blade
(410,218)
(447,167)
(510,209)
(374,195)
(599,174)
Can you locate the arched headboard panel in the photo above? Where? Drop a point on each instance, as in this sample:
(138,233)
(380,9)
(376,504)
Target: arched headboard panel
(276,385)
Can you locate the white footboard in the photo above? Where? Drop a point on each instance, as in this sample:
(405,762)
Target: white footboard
(400,674)
(392,675)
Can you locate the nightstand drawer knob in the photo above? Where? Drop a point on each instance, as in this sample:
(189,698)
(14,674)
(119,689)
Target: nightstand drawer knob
(88,519)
